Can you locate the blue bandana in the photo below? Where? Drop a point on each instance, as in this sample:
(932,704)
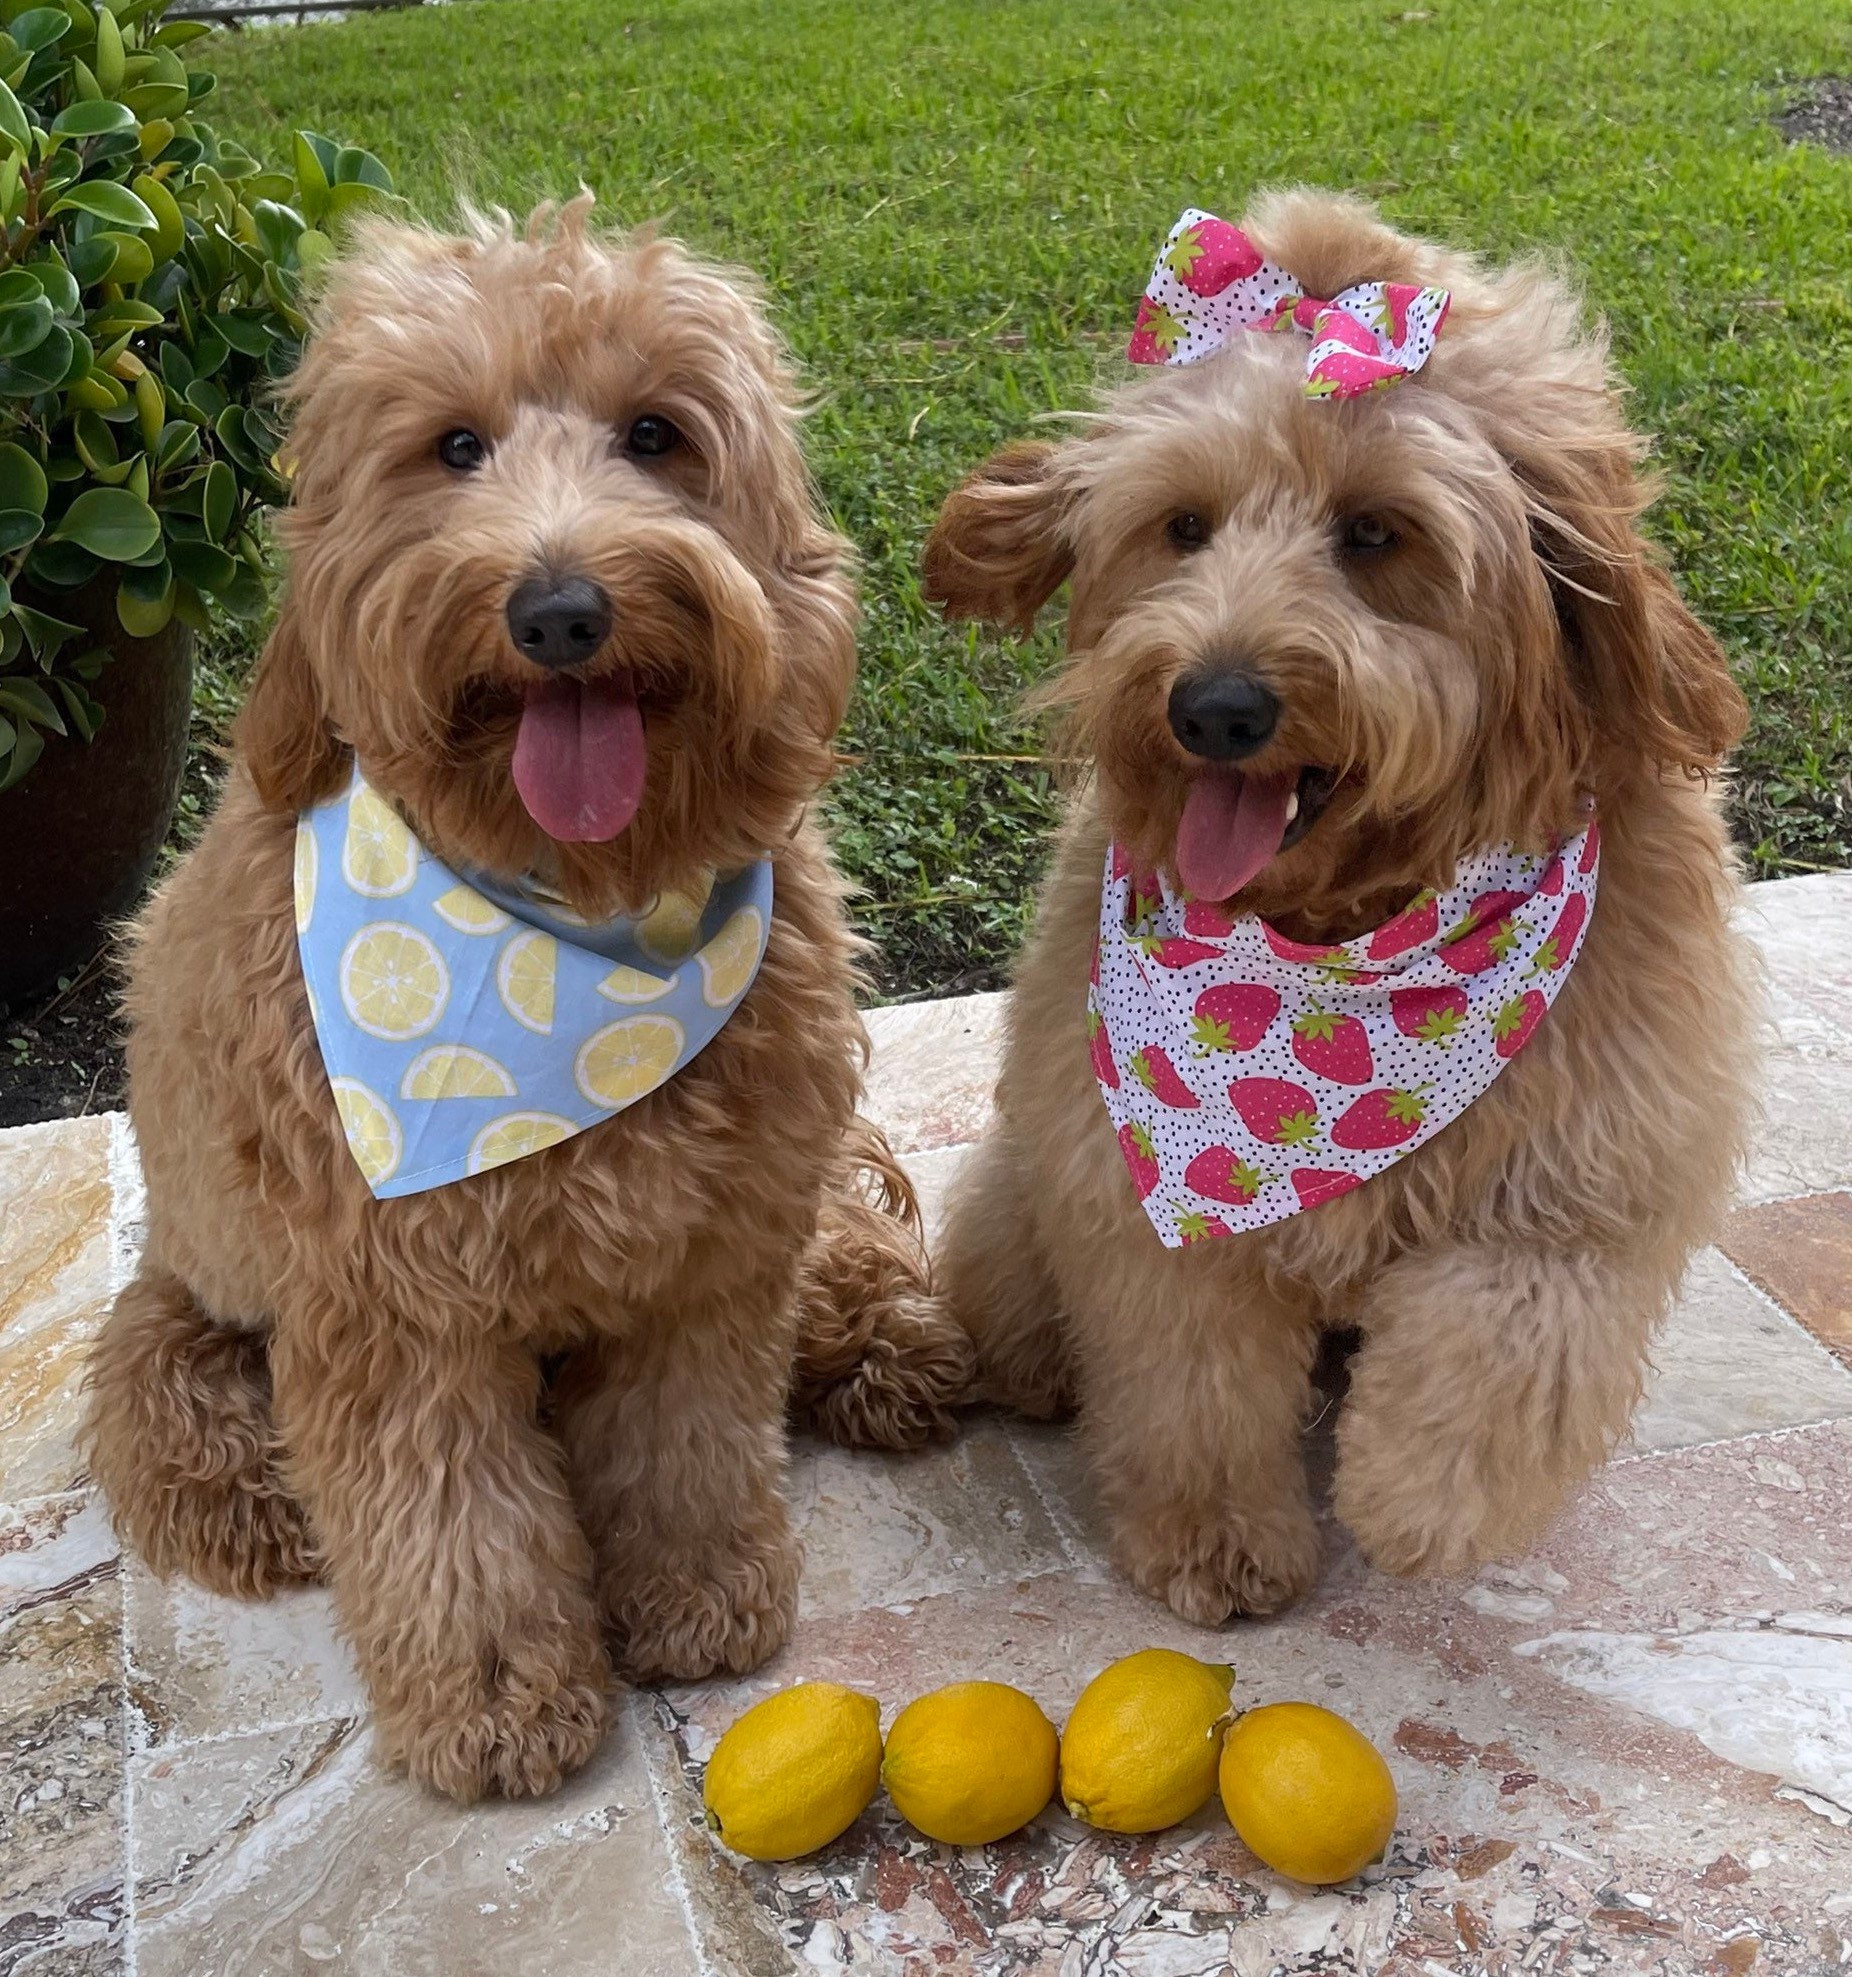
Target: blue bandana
(464,1025)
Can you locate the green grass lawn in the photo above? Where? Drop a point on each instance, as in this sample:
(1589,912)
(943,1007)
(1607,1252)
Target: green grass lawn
(956,205)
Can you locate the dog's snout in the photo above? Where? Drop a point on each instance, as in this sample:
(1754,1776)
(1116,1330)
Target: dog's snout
(1223,716)
(557,622)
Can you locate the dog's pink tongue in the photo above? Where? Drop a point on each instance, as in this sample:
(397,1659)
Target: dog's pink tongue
(579,758)
(1232,826)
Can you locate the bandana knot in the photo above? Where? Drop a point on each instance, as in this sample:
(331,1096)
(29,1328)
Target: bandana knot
(1211,281)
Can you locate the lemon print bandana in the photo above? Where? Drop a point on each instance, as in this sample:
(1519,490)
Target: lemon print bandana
(464,1025)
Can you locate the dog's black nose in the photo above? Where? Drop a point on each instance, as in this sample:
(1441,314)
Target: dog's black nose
(557,622)
(1223,716)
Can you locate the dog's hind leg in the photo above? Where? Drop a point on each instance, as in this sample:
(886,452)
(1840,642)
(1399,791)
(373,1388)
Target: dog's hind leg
(178,1433)
(1000,1291)
(880,1364)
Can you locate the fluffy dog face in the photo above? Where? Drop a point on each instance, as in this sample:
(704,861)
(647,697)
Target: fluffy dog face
(556,572)
(1318,650)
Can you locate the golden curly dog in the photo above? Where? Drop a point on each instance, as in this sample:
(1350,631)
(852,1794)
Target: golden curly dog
(305,1381)
(1444,588)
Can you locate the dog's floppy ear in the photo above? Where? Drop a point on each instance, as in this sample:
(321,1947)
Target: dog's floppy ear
(1656,681)
(283,731)
(998,550)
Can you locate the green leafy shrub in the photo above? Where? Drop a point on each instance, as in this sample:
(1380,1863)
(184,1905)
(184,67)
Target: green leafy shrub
(150,286)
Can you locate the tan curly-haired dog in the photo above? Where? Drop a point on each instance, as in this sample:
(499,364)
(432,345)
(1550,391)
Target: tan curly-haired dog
(1443,588)
(303,1380)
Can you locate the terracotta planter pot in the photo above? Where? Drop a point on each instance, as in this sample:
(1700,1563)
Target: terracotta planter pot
(78,837)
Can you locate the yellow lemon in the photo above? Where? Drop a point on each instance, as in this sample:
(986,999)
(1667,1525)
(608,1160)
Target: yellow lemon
(514,1136)
(618,1064)
(393,981)
(969,1763)
(465,909)
(371,1130)
(669,930)
(727,961)
(795,1771)
(1140,1748)
(379,857)
(456,1070)
(1306,1792)
(524,980)
(634,985)
(308,863)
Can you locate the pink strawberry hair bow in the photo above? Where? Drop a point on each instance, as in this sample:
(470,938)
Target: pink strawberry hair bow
(1211,280)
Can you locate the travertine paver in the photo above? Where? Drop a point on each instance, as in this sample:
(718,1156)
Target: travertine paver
(1631,1750)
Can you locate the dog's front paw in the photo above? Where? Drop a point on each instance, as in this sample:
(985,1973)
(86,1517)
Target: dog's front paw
(1209,1568)
(1435,1510)
(536,1720)
(675,1626)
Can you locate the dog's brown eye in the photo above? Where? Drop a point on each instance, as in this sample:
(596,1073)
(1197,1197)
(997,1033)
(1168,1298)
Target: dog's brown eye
(1368,532)
(1187,531)
(651,436)
(463,450)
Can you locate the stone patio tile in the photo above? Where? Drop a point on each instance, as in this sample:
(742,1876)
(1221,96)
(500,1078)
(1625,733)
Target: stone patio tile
(291,1850)
(881,1530)
(54,1290)
(930,1081)
(61,1752)
(1800,1252)
(1730,1363)
(1803,1143)
(1804,929)
(202,1666)
(1556,1814)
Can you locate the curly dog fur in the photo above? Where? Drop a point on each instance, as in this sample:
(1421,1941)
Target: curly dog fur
(1516,646)
(305,1381)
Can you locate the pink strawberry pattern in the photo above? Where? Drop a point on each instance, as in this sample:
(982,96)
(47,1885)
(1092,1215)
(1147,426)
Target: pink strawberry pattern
(1158,1075)
(1435,1015)
(1099,1047)
(1381,1118)
(1516,1019)
(1250,1076)
(1275,1110)
(1232,1016)
(1140,1157)
(1221,1174)
(1336,1047)
(1314,1185)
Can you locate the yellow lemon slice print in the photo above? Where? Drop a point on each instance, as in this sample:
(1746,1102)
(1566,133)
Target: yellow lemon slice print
(372,1132)
(626,1059)
(524,980)
(727,961)
(393,981)
(465,909)
(514,1136)
(308,863)
(669,930)
(379,857)
(456,1070)
(634,985)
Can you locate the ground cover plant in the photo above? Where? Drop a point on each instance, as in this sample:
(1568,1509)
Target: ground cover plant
(955,204)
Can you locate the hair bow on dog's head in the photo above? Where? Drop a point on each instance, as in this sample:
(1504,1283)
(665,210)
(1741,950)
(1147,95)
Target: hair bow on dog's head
(1211,280)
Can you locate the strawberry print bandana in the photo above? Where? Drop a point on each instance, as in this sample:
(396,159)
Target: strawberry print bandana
(464,1025)
(1251,1077)
(1211,281)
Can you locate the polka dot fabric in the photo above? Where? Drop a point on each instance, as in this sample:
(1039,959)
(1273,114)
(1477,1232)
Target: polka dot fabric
(1211,281)
(1250,1077)
(463,1025)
